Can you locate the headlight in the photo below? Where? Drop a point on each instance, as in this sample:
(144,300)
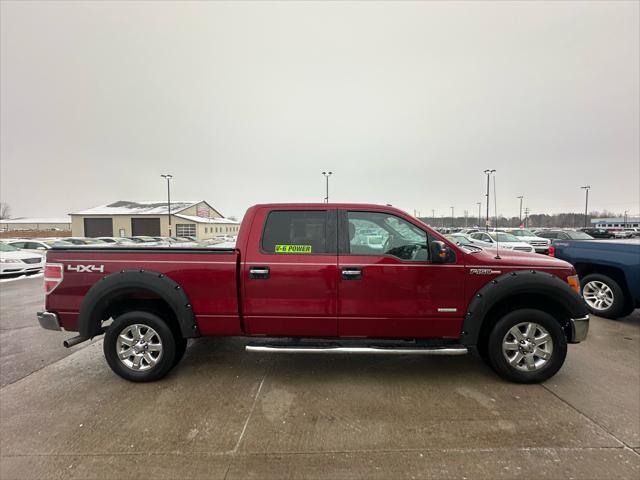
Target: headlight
(10,260)
(574,283)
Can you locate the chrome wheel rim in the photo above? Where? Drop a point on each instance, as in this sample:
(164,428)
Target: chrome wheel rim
(139,347)
(598,295)
(527,346)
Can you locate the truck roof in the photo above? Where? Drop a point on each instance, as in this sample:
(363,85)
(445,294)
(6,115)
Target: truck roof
(326,205)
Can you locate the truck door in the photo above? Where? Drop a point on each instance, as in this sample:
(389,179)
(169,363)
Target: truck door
(290,273)
(388,285)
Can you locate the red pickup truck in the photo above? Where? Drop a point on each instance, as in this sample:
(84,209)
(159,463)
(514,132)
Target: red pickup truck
(336,278)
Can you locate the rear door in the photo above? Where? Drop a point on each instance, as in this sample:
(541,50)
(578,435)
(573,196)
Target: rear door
(290,275)
(388,285)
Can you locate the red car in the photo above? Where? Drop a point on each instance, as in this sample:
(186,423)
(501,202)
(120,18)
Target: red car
(336,278)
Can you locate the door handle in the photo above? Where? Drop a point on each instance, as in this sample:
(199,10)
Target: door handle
(259,273)
(350,273)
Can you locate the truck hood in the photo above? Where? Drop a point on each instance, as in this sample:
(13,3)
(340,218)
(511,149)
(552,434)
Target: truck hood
(516,259)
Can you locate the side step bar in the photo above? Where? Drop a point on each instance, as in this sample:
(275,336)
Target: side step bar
(364,349)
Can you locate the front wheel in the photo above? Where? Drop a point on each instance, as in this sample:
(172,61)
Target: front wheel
(527,346)
(139,346)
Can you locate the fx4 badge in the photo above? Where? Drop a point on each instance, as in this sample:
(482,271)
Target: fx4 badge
(483,271)
(85,268)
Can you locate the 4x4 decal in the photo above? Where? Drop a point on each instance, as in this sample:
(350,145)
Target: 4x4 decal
(85,268)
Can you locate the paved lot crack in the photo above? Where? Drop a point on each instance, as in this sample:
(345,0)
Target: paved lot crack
(623,444)
(253,406)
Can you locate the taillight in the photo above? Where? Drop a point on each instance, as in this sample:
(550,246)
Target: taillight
(53,274)
(552,251)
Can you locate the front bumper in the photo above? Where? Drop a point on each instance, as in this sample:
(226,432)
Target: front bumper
(20,268)
(579,329)
(49,321)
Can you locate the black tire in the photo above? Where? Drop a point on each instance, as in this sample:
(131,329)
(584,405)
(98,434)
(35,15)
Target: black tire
(166,359)
(501,365)
(617,308)
(181,348)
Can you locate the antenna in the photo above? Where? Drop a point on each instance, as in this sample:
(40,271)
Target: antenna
(495,210)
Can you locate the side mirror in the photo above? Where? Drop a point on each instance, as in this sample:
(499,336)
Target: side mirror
(440,252)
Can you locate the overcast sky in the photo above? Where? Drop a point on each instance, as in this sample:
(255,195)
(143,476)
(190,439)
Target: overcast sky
(249,102)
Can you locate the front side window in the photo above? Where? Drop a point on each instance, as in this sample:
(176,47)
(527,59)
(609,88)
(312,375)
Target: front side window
(374,233)
(295,232)
(186,229)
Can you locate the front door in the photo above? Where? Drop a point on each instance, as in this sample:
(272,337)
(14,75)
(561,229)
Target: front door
(388,285)
(290,275)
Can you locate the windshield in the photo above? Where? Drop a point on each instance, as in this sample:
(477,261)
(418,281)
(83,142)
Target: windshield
(92,241)
(522,233)
(59,243)
(459,239)
(7,248)
(579,236)
(503,237)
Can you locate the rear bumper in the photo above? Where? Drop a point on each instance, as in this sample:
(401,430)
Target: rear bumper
(579,329)
(49,321)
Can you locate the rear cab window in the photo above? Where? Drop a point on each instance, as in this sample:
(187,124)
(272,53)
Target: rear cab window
(298,232)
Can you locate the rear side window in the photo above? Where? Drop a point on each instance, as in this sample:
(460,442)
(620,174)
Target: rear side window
(300,232)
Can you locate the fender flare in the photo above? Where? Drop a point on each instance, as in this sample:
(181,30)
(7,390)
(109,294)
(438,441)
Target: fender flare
(517,283)
(99,295)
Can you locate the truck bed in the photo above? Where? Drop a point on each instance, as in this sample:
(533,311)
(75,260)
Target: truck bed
(208,275)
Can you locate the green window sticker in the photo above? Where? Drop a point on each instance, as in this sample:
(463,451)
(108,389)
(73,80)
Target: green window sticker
(293,249)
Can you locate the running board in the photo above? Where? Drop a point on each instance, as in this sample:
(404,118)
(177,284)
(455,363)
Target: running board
(371,349)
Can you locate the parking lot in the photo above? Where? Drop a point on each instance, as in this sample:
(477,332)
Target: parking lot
(224,413)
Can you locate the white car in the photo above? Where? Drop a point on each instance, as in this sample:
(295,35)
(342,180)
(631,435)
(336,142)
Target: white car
(506,241)
(541,245)
(626,233)
(35,246)
(14,261)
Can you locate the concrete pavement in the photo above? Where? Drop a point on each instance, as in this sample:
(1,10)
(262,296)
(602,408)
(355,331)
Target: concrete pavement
(225,413)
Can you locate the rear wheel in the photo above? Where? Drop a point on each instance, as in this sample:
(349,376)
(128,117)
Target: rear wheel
(139,346)
(527,346)
(603,296)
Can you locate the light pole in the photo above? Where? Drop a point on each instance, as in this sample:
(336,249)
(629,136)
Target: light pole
(488,174)
(526,216)
(433,215)
(586,203)
(479,213)
(625,218)
(520,217)
(326,176)
(452,220)
(168,178)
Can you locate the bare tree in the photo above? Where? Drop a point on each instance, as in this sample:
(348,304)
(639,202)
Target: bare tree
(5,210)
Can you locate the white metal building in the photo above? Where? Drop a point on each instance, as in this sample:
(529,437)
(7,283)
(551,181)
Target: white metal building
(126,218)
(616,222)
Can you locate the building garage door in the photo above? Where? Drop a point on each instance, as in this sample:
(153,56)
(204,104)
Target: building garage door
(98,227)
(145,226)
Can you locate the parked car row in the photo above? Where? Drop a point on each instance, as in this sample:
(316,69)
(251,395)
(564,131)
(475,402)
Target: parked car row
(517,239)
(25,256)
